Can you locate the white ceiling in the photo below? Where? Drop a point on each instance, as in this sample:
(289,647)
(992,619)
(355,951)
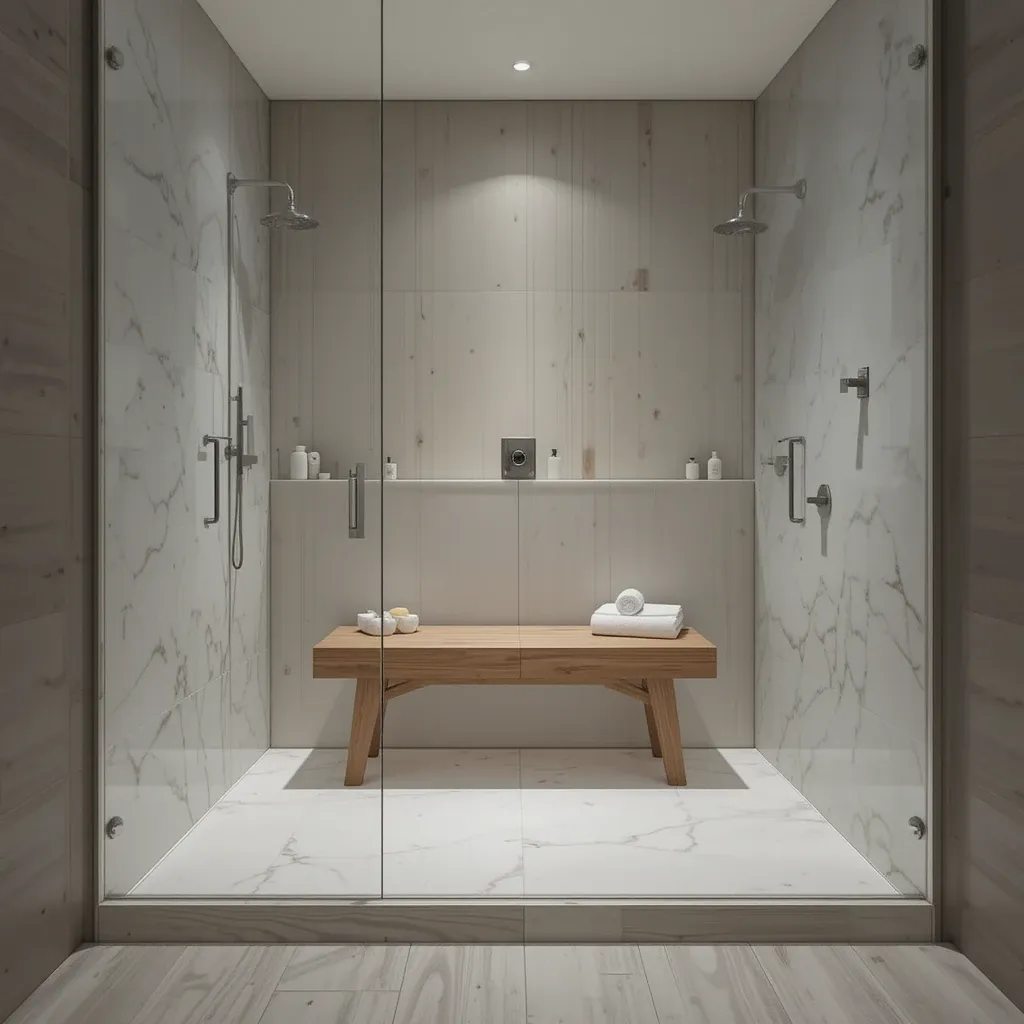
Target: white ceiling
(464,49)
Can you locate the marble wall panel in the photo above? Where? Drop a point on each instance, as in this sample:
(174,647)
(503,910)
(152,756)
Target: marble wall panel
(186,640)
(841,282)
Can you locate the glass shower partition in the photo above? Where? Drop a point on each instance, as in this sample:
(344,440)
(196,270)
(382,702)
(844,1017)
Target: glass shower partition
(493,272)
(454,377)
(552,274)
(220,747)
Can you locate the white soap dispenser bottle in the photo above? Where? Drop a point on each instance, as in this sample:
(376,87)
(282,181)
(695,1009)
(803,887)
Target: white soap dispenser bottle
(693,469)
(714,467)
(299,463)
(554,465)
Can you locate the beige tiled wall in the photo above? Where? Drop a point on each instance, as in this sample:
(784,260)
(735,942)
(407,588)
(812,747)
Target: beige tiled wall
(543,269)
(549,270)
(46,482)
(493,552)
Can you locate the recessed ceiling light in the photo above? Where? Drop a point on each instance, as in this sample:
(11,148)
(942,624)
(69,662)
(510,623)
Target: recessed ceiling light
(521,65)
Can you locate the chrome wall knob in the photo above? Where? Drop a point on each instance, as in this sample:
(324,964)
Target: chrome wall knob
(862,383)
(823,499)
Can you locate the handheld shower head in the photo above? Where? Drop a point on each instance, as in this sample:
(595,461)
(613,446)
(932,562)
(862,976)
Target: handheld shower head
(743,223)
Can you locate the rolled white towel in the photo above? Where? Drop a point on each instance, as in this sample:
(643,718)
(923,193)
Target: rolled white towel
(629,602)
(657,621)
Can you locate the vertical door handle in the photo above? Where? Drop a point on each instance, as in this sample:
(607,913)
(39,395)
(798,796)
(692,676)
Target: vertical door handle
(357,501)
(208,439)
(793,442)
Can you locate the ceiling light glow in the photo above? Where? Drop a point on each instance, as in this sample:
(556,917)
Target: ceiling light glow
(521,65)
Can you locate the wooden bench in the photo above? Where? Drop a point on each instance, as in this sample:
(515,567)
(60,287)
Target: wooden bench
(520,655)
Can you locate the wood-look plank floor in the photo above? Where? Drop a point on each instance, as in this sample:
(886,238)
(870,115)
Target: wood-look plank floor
(517,985)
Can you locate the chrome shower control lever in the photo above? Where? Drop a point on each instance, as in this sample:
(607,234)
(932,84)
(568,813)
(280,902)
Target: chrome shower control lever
(823,499)
(777,462)
(861,382)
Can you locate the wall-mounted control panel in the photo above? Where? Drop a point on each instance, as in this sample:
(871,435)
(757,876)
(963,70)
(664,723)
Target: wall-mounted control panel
(519,458)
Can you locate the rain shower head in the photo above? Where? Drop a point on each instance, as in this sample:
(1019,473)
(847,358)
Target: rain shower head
(290,220)
(743,223)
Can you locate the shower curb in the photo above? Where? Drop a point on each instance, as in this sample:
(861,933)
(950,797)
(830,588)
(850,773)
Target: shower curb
(515,921)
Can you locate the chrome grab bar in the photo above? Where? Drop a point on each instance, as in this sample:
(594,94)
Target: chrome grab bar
(793,441)
(357,501)
(213,439)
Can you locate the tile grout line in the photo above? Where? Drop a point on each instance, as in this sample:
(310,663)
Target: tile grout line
(768,978)
(643,967)
(401,984)
(272,991)
(890,998)
(522,830)
(526,980)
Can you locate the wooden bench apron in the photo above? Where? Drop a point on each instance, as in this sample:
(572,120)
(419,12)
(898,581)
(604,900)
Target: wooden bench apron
(643,669)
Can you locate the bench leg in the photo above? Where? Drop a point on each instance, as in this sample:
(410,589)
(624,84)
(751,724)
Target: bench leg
(364,719)
(375,742)
(652,731)
(666,724)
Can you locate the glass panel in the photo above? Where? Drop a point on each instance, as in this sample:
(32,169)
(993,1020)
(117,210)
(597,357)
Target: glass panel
(551,271)
(529,255)
(224,749)
(843,283)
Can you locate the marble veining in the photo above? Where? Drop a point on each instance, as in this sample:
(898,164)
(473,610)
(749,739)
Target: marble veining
(506,823)
(841,282)
(185,638)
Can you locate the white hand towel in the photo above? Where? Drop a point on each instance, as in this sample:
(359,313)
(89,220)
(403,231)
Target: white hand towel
(657,621)
(629,602)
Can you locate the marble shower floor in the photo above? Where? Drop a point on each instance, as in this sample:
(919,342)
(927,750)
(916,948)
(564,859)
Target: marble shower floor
(507,823)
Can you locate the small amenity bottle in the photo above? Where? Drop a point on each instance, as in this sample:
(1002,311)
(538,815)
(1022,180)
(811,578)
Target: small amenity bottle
(693,469)
(714,467)
(299,463)
(313,461)
(390,470)
(554,465)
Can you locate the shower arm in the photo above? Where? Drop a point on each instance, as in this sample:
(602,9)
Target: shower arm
(799,190)
(237,183)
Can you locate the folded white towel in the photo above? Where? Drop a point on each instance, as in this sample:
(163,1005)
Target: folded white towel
(629,602)
(374,625)
(657,621)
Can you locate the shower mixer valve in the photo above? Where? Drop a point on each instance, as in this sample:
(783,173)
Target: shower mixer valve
(246,455)
(244,444)
(862,383)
